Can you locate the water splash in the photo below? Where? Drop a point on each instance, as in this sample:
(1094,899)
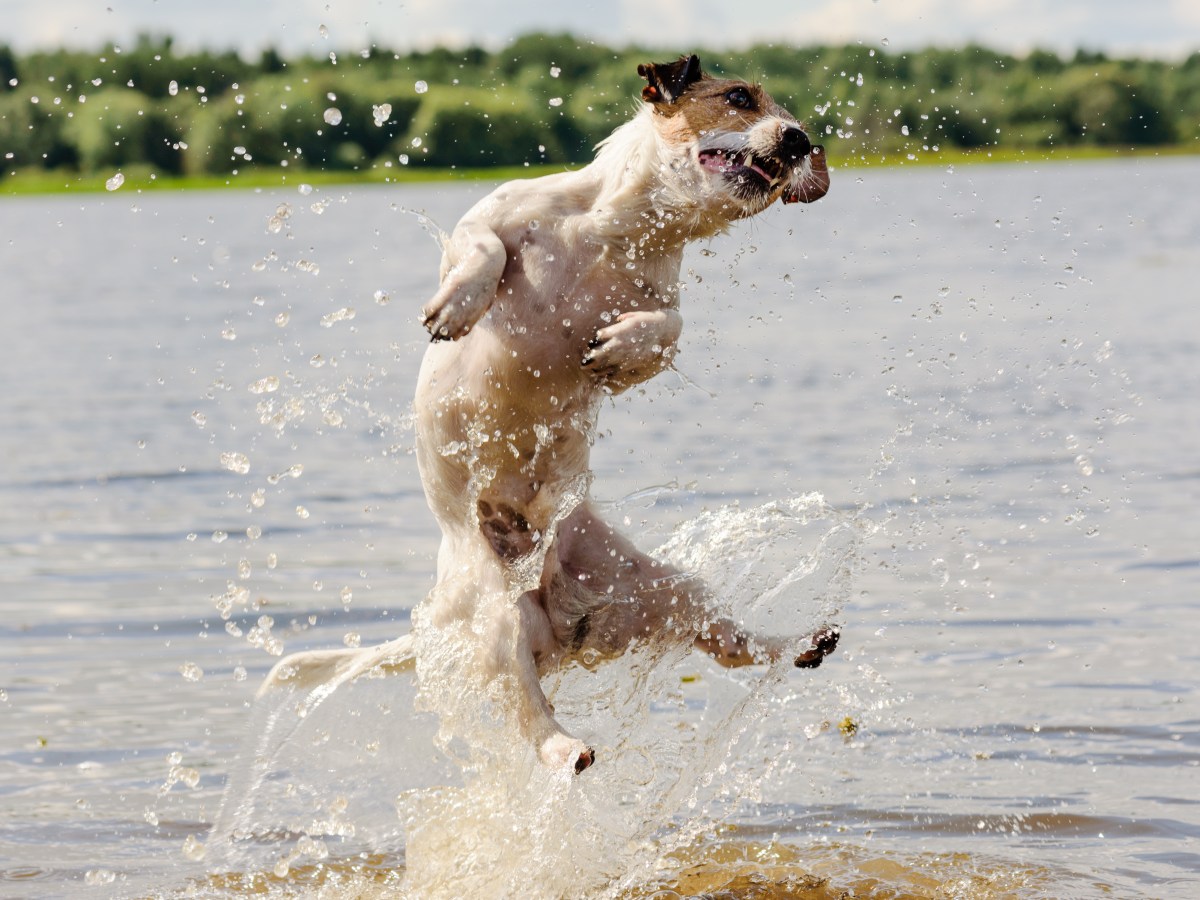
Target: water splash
(464,801)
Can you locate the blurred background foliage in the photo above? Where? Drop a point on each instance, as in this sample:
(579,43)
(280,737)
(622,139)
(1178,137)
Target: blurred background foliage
(549,99)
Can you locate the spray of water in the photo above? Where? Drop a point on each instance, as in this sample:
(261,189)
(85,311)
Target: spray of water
(433,770)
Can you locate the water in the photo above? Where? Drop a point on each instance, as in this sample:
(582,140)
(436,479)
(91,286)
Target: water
(983,378)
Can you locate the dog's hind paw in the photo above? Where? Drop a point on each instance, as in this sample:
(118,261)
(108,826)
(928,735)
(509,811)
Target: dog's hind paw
(562,750)
(586,758)
(823,643)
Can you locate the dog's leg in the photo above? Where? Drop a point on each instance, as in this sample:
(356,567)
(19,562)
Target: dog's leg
(555,746)
(730,646)
(653,599)
(513,638)
(488,639)
(472,266)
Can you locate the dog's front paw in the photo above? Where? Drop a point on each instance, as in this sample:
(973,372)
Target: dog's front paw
(637,346)
(452,313)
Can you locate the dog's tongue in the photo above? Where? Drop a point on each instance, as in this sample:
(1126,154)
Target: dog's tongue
(717,161)
(755,167)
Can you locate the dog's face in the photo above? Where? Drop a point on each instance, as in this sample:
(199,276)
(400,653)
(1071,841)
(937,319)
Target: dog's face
(753,149)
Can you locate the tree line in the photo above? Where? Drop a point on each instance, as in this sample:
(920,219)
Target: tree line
(548,99)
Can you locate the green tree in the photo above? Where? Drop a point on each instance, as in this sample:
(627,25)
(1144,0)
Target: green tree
(472,127)
(118,127)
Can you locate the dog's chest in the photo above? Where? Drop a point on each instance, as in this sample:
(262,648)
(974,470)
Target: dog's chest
(563,278)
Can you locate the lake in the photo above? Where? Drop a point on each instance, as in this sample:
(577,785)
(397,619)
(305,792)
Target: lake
(956,407)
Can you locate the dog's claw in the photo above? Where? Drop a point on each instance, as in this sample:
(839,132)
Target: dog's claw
(824,642)
(585,760)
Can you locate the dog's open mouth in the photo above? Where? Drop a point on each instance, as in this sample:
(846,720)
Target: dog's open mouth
(741,166)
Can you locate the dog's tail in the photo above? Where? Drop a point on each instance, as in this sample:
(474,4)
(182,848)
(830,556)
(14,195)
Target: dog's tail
(322,671)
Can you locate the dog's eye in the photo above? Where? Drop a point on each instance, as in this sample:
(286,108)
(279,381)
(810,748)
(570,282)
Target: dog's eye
(740,97)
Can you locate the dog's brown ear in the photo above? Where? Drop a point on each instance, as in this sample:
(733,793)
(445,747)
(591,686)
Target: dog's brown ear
(815,184)
(666,81)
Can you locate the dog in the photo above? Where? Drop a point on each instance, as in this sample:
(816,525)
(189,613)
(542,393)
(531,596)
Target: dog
(556,292)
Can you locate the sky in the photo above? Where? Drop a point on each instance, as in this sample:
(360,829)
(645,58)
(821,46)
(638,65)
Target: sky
(1157,28)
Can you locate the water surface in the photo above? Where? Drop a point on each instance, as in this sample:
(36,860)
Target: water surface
(988,372)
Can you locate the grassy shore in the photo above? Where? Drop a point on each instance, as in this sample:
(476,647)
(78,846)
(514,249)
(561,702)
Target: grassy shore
(37,181)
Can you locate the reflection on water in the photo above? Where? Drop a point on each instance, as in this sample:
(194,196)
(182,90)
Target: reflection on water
(986,374)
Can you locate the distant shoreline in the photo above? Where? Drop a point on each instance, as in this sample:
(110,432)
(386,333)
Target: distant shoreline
(35,182)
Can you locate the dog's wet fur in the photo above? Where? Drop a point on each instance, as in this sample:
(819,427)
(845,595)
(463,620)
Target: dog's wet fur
(554,293)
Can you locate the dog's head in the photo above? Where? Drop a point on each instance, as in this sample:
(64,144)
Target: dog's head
(753,149)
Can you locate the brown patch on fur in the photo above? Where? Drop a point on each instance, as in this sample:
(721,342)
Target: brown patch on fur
(704,108)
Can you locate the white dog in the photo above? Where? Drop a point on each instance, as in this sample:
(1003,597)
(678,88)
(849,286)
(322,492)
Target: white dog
(555,292)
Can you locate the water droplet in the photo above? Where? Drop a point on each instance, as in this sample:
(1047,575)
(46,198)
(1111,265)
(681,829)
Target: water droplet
(420,87)
(235,462)
(115,182)
(268,385)
(191,672)
(302,512)
(556,101)
(381,114)
(352,639)
(333,116)
(98,877)
(173,88)
(1084,464)
(347,595)
(382,298)
(339,315)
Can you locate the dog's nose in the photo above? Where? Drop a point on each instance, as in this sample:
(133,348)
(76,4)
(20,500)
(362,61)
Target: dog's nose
(795,143)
